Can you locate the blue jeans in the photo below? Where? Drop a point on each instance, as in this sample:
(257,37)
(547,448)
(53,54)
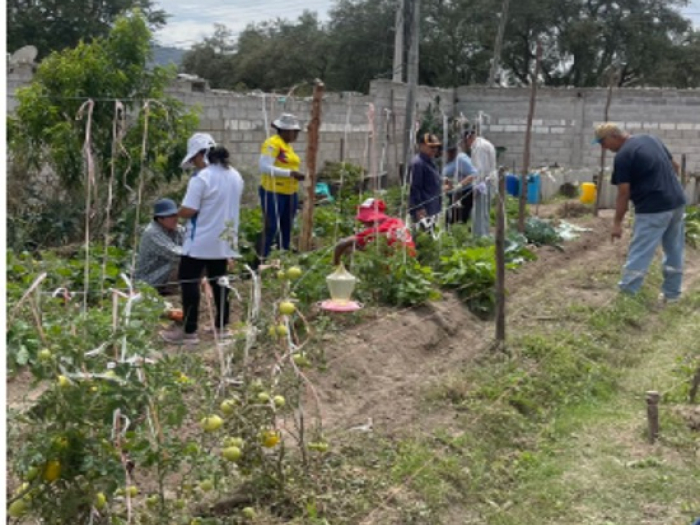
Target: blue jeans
(650,229)
(278,215)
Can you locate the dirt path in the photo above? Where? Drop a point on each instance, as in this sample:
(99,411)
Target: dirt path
(381,370)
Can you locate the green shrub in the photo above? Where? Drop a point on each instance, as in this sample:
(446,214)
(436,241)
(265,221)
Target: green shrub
(385,278)
(471,272)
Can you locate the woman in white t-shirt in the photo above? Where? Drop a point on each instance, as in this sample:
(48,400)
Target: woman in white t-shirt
(211,207)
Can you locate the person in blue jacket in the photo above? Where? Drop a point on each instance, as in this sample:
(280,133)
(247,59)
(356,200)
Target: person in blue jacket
(426,183)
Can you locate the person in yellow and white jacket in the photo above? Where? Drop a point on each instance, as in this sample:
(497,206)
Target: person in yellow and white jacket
(279,167)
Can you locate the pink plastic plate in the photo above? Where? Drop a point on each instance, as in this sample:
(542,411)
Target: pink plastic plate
(332,306)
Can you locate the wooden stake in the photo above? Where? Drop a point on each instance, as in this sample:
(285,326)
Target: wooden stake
(501,260)
(528,137)
(694,386)
(606,117)
(653,415)
(305,243)
(684,173)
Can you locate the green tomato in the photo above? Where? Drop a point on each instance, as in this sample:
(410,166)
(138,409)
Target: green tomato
(100,501)
(294,272)
(287,308)
(263,397)
(206,485)
(17,509)
(231,453)
(228,407)
(211,423)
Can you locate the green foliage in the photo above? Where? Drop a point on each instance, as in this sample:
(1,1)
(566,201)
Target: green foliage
(471,272)
(44,132)
(350,175)
(50,26)
(657,46)
(389,277)
(540,232)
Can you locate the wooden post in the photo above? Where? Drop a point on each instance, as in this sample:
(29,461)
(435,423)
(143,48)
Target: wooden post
(342,149)
(606,116)
(694,386)
(305,243)
(684,172)
(501,260)
(653,415)
(528,137)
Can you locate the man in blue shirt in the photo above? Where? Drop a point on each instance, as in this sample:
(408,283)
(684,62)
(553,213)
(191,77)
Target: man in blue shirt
(426,184)
(645,173)
(459,173)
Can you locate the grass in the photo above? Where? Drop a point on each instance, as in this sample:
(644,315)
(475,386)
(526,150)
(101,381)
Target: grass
(557,433)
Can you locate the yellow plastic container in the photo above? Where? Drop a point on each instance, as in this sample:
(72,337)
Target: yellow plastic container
(341,284)
(588,193)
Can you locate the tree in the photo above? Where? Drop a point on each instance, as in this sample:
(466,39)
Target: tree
(214,59)
(649,40)
(582,40)
(361,43)
(54,25)
(45,133)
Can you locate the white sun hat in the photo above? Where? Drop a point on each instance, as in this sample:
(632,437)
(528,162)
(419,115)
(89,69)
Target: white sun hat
(287,121)
(197,143)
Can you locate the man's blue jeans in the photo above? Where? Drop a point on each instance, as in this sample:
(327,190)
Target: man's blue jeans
(650,230)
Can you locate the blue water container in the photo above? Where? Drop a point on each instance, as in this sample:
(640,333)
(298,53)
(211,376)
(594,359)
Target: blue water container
(512,185)
(533,188)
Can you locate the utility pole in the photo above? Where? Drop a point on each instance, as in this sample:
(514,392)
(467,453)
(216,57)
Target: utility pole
(408,137)
(528,137)
(499,43)
(398,41)
(612,80)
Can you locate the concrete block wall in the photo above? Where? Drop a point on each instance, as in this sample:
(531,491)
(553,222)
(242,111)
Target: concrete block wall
(241,122)
(562,126)
(564,120)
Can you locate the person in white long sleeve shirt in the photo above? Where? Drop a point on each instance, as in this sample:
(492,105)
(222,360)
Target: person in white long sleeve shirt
(483,157)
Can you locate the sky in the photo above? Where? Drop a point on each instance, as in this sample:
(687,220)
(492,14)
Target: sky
(193,20)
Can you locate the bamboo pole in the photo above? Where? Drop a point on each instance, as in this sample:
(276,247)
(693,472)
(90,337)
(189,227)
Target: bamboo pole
(528,139)
(606,117)
(305,243)
(501,260)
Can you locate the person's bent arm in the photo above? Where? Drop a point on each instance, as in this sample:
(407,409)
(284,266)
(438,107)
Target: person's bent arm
(621,206)
(186,213)
(344,246)
(166,246)
(267,166)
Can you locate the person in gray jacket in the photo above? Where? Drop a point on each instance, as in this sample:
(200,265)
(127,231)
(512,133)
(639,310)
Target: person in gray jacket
(160,249)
